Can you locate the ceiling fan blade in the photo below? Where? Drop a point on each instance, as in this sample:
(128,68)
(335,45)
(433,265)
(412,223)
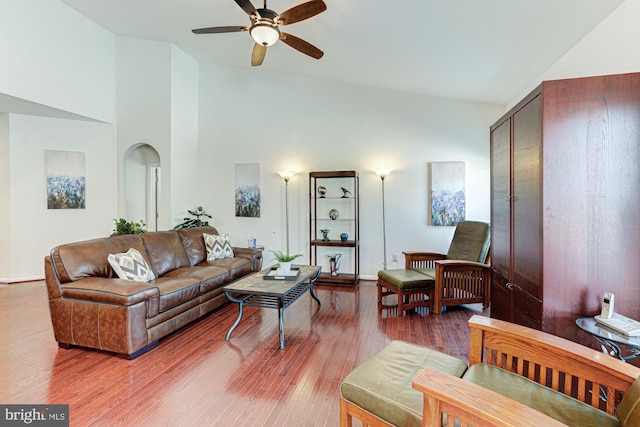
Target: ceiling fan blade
(247,6)
(257,56)
(212,30)
(301,12)
(301,45)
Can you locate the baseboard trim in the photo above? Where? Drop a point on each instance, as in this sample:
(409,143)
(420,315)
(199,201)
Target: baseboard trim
(20,279)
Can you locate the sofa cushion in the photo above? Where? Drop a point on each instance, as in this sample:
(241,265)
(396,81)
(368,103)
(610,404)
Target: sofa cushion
(79,260)
(557,405)
(131,265)
(382,384)
(210,276)
(175,291)
(165,251)
(193,242)
(628,411)
(218,247)
(236,266)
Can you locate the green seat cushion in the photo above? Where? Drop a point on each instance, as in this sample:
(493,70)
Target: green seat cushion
(406,279)
(561,407)
(382,385)
(431,272)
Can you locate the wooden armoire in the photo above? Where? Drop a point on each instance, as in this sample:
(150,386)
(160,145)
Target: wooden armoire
(565,203)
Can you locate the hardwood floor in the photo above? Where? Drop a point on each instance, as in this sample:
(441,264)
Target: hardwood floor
(195,377)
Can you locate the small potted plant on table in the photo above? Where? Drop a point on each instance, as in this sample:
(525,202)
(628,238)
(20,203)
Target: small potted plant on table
(285,261)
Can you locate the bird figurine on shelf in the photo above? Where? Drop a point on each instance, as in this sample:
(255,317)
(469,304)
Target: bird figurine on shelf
(345,192)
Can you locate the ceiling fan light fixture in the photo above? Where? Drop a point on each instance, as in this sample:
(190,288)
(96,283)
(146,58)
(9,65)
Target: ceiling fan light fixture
(264,33)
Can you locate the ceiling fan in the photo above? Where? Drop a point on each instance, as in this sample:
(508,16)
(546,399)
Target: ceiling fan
(265,28)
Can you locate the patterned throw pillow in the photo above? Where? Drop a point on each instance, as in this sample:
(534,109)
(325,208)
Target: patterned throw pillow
(131,266)
(218,247)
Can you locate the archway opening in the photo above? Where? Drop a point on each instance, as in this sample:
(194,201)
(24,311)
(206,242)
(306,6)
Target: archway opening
(142,181)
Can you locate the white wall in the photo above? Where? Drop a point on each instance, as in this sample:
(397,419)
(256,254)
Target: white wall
(55,56)
(35,230)
(55,60)
(285,122)
(158,105)
(5,200)
(184,133)
(144,111)
(610,48)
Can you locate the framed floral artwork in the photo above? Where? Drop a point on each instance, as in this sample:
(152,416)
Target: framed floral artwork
(247,190)
(65,172)
(448,201)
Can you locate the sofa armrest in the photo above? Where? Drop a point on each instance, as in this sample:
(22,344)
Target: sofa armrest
(417,259)
(110,291)
(253,255)
(472,404)
(563,365)
(120,292)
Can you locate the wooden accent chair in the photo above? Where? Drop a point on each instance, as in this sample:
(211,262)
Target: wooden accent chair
(461,276)
(517,376)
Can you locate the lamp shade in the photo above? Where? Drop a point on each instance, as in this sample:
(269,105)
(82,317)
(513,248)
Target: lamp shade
(382,172)
(264,34)
(286,175)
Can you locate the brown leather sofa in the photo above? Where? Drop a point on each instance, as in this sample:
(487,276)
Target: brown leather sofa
(91,307)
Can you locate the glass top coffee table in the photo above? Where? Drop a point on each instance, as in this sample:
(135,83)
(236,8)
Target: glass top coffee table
(610,339)
(255,291)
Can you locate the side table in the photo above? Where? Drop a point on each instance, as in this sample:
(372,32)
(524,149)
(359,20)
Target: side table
(610,339)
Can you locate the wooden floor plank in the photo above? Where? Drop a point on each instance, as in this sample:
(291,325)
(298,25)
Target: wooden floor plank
(195,377)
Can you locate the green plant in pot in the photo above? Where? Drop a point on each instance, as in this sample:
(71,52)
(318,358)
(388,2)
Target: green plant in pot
(199,219)
(123,226)
(285,260)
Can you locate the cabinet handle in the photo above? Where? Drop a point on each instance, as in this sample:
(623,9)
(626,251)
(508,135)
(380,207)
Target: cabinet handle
(510,286)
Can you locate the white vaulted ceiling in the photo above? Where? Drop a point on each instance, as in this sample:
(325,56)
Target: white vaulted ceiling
(478,50)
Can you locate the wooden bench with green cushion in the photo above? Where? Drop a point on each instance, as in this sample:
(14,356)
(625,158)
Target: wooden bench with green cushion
(412,288)
(379,391)
(502,387)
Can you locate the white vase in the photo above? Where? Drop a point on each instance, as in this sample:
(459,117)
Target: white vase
(334,263)
(284,269)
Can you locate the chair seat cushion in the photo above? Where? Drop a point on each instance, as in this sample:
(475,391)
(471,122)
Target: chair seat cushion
(559,406)
(382,384)
(431,272)
(406,279)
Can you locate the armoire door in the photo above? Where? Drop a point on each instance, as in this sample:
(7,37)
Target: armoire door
(501,199)
(527,198)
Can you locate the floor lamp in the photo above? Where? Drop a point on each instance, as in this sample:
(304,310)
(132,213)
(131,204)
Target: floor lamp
(383,173)
(286,175)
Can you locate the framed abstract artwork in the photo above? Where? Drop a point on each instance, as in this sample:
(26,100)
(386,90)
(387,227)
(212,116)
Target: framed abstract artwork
(65,172)
(247,191)
(448,201)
